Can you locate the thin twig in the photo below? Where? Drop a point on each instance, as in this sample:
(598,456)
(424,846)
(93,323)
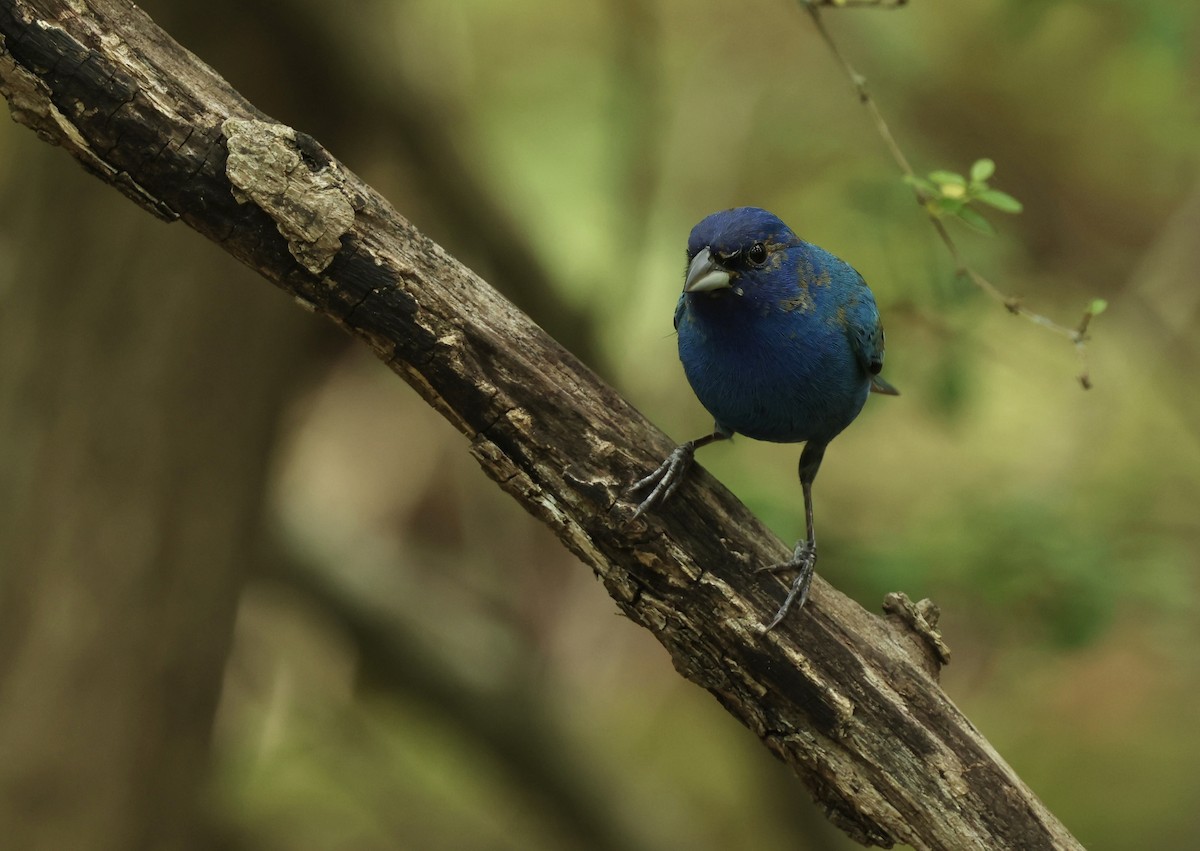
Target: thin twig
(880,4)
(1078,335)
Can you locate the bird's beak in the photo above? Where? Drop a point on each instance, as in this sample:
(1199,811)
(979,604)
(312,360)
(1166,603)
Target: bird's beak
(705,274)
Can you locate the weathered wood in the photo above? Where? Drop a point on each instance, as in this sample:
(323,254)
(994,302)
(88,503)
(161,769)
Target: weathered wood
(848,699)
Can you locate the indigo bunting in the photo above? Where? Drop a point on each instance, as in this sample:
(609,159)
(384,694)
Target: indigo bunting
(780,341)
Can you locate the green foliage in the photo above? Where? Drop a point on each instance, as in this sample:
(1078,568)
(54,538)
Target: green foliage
(949,194)
(1032,570)
(950,380)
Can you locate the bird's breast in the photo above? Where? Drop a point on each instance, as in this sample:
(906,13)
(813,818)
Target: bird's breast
(779,373)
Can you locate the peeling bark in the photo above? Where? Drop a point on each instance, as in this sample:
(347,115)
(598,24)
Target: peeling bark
(848,699)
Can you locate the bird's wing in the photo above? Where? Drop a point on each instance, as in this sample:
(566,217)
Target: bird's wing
(866,336)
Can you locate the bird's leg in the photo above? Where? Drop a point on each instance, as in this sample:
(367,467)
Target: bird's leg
(670,473)
(804,558)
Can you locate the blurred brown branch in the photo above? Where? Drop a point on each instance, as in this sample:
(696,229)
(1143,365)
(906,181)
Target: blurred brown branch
(1078,335)
(507,721)
(842,696)
(136,410)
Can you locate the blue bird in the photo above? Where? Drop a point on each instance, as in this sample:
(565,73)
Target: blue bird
(780,341)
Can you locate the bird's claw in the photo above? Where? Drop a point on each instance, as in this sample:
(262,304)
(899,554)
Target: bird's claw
(805,551)
(803,561)
(665,480)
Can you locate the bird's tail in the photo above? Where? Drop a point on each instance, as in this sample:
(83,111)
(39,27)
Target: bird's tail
(878,385)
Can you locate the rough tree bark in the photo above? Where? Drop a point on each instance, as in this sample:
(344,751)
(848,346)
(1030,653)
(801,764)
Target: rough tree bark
(848,699)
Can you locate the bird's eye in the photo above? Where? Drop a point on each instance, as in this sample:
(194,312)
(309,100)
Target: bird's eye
(757,254)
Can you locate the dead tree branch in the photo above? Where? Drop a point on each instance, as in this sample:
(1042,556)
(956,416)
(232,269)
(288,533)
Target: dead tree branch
(848,699)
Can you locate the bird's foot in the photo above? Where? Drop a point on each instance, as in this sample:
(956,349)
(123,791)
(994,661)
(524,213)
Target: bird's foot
(665,480)
(803,560)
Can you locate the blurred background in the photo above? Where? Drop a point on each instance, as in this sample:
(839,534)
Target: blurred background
(254,594)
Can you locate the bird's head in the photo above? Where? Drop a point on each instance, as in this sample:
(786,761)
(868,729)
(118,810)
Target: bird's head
(731,248)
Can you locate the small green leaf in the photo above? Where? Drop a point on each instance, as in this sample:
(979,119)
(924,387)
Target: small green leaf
(1000,200)
(982,170)
(972,219)
(1097,306)
(947,178)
